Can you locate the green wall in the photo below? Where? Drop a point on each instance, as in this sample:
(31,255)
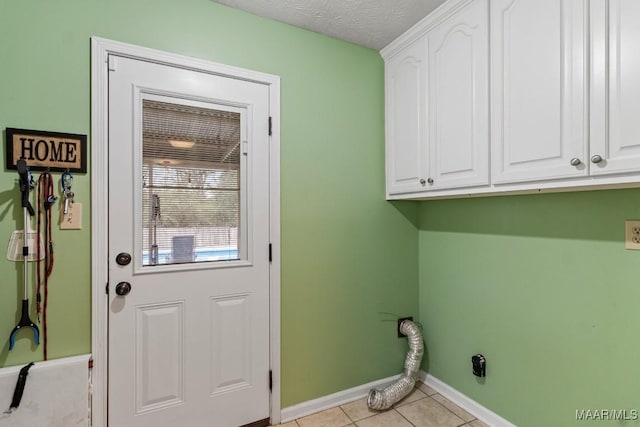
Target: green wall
(540,284)
(543,287)
(347,255)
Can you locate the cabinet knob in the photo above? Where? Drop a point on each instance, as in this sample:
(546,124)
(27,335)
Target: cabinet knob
(422,181)
(430,181)
(596,158)
(575,161)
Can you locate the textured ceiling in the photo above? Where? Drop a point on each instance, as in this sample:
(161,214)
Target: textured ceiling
(370,23)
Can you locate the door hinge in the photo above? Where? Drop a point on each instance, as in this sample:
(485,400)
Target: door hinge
(270,126)
(106,289)
(270,380)
(270,252)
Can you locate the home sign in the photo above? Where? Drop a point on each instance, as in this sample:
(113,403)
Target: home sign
(42,150)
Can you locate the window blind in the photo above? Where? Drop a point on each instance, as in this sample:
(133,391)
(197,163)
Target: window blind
(191,167)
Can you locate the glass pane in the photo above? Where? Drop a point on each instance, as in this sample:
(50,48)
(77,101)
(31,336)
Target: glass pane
(191,184)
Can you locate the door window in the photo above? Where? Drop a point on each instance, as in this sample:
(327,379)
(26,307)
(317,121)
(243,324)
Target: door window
(192,173)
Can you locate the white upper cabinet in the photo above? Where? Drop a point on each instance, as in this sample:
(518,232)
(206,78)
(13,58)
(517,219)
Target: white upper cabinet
(538,90)
(615,103)
(458,100)
(437,103)
(514,96)
(406,86)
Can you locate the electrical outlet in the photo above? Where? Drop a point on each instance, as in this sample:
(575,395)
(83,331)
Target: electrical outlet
(72,220)
(632,235)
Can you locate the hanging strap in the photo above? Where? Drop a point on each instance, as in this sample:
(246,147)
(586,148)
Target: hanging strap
(46,199)
(19,390)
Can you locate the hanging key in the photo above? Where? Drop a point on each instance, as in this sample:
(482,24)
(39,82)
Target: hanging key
(68,198)
(66,181)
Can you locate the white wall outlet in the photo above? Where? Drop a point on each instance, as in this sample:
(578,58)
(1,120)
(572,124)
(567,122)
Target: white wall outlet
(632,235)
(72,220)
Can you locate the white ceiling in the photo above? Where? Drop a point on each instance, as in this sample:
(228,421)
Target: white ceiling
(370,23)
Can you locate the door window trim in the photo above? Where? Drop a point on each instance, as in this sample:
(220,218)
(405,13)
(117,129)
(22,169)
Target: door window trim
(103,52)
(245,240)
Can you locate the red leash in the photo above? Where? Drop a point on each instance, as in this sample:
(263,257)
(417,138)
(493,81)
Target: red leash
(46,199)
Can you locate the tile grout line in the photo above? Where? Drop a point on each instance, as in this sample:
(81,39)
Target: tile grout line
(426,396)
(449,400)
(408,420)
(393,408)
(463,421)
(345,412)
(362,419)
(347,415)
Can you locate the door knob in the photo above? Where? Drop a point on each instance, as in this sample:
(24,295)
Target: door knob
(596,159)
(123,258)
(575,161)
(123,288)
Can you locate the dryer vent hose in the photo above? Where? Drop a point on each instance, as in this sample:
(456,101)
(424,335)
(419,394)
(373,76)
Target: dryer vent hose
(391,394)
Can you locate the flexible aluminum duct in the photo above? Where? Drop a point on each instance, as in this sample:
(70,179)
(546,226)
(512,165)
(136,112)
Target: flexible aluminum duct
(388,396)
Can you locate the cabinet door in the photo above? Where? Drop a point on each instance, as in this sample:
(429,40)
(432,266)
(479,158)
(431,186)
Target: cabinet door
(616,141)
(458,101)
(538,92)
(406,92)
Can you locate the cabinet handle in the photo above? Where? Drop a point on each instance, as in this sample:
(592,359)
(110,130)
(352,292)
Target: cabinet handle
(596,158)
(430,181)
(422,181)
(575,161)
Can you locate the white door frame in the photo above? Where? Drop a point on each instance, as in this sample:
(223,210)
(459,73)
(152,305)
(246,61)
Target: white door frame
(100,49)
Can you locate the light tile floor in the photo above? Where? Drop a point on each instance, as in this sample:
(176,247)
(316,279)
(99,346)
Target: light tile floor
(424,407)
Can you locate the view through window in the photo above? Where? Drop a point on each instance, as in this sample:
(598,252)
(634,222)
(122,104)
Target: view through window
(191,184)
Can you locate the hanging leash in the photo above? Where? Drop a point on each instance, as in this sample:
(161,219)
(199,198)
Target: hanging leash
(46,199)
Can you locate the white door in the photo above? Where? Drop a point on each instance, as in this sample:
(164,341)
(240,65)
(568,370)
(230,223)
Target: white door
(189,202)
(615,145)
(406,120)
(459,99)
(538,90)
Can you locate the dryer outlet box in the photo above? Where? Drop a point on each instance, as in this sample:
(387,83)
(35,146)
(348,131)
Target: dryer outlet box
(400,320)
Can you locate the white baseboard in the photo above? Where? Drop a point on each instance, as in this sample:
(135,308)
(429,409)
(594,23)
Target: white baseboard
(466,403)
(332,400)
(346,396)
